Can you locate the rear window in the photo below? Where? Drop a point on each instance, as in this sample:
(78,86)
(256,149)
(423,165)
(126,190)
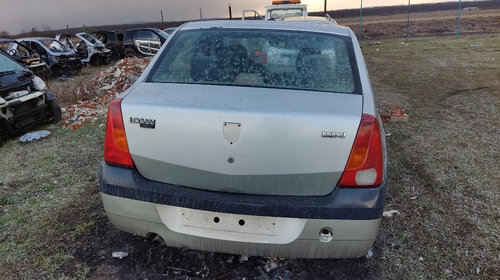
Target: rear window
(260,58)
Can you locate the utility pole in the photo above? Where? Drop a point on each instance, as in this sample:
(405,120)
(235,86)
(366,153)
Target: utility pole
(67,29)
(325,8)
(458,20)
(201,14)
(161,13)
(230,13)
(360,20)
(408,21)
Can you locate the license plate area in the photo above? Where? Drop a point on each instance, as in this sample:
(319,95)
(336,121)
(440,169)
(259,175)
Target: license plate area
(232,227)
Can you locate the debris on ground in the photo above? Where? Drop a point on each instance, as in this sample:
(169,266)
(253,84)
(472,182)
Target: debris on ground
(243,258)
(421,259)
(395,114)
(103,88)
(119,255)
(390,213)
(33,136)
(369,254)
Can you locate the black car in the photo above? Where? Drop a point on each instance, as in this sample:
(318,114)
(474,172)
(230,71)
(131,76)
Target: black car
(113,41)
(24,99)
(143,41)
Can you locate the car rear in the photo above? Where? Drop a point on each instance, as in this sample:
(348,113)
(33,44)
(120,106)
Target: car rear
(250,138)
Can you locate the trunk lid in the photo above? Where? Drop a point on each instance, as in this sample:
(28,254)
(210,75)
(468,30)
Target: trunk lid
(241,139)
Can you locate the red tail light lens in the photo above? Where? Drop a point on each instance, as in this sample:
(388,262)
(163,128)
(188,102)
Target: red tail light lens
(365,164)
(116,150)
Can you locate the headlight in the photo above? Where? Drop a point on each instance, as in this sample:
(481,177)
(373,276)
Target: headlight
(39,84)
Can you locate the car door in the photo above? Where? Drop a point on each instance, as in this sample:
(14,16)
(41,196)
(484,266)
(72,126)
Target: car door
(147,42)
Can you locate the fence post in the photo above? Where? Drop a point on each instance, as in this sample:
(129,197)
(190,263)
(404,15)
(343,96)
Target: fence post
(458,20)
(360,21)
(408,22)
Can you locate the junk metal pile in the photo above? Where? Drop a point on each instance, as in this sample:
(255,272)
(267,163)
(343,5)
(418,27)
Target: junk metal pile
(103,88)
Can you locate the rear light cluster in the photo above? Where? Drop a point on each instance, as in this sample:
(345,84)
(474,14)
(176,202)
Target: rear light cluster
(365,165)
(116,150)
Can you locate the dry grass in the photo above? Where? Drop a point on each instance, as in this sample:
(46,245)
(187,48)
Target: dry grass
(65,88)
(444,162)
(427,24)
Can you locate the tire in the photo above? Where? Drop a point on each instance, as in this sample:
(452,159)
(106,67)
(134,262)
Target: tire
(130,54)
(55,111)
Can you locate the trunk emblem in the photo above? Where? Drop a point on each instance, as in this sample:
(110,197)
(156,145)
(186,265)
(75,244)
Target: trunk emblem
(333,134)
(232,132)
(145,123)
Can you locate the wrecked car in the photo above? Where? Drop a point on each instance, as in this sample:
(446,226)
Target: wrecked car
(24,99)
(89,49)
(113,41)
(143,41)
(26,56)
(250,137)
(60,59)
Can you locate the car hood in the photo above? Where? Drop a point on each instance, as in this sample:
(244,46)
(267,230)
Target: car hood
(12,80)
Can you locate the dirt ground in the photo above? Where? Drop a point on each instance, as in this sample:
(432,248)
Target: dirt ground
(443,170)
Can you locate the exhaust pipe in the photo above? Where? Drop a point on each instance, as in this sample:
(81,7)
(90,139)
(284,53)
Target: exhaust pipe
(325,235)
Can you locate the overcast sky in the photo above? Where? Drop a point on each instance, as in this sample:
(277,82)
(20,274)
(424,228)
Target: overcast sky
(21,15)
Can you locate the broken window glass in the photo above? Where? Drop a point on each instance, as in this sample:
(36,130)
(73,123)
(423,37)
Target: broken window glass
(260,58)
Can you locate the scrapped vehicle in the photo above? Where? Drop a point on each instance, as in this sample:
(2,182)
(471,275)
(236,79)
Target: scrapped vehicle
(284,9)
(256,138)
(24,99)
(113,41)
(60,59)
(89,49)
(143,41)
(169,30)
(26,56)
(279,10)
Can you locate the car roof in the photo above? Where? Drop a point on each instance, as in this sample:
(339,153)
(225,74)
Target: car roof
(144,28)
(35,39)
(307,25)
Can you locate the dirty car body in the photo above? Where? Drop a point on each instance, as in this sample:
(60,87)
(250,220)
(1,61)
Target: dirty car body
(143,42)
(24,99)
(89,49)
(258,138)
(60,59)
(26,56)
(112,40)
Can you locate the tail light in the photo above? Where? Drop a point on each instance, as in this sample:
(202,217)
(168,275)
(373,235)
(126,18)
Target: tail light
(116,150)
(365,164)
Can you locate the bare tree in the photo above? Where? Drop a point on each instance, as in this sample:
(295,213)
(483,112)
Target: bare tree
(4,33)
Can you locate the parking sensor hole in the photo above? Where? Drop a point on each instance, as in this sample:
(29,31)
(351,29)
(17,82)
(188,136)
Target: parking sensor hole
(230,160)
(216,220)
(325,231)
(241,222)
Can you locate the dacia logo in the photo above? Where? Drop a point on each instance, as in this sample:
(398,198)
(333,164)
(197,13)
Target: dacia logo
(145,123)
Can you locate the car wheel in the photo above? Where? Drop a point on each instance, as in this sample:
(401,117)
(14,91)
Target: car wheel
(130,54)
(55,110)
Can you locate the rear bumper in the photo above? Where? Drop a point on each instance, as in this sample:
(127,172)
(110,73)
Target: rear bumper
(342,203)
(142,207)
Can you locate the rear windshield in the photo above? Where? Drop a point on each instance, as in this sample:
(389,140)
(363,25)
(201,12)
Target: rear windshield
(259,58)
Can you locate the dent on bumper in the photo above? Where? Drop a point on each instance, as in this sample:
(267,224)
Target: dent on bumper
(342,203)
